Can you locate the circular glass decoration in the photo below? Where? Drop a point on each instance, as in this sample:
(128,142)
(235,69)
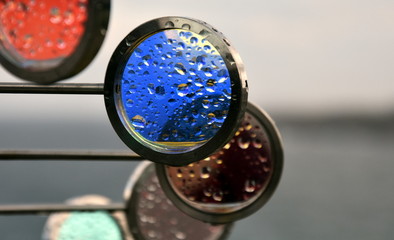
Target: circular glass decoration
(152,216)
(49,40)
(96,225)
(233,182)
(175,90)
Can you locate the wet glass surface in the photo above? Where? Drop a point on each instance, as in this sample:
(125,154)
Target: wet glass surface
(158,218)
(175,90)
(41,34)
(232,178)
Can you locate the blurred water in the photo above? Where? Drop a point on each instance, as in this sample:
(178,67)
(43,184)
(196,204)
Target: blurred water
(337,181)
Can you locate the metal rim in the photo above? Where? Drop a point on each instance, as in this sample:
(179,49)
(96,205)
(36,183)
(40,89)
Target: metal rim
(217,218)
(57,219)
(234,66)
(84,53)
(131,197)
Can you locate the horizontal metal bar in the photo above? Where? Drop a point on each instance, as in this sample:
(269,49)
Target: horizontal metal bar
(11,155)
(66,88)
(46,209)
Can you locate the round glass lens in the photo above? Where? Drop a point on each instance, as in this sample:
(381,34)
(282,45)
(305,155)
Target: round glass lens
(158,218)
(230,179)
(175,91)
(40,34)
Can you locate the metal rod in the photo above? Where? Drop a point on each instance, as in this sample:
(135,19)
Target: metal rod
(66,88)
(10,155)
(46,209)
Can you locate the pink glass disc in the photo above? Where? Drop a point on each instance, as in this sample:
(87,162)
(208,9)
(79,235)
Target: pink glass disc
(158,218)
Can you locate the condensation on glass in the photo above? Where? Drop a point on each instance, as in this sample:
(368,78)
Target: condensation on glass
(235,181)
(38,34)
(175,90)
(233,177)
(96,225)
(154,217)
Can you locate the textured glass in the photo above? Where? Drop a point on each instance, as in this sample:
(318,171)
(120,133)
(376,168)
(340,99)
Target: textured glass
(158,218)
(90,226)
(175,90)
(233,177)
(40,34)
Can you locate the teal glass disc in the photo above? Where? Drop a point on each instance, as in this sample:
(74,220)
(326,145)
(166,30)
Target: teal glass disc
(90,226)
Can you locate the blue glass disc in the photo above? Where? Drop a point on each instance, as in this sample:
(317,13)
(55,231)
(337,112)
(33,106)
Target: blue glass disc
(90,226)
(175,91)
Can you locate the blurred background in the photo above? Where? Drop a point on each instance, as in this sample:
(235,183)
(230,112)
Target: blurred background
(324,70)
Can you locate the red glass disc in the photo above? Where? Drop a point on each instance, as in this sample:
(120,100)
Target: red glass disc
(41,30)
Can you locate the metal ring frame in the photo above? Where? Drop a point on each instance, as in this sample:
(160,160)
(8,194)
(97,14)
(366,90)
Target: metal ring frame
(113,78)
(90,43)
(277,156)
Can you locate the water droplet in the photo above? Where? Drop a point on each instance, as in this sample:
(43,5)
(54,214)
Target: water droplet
(207,192)
(218,196)
(172,101)
(183,89)
(152,234)
(193,40)
(226,94)
(250,186)
(160,91)
(207,71)
(192,174)
(248,126)
(257,143)
(151,88)
(147,60)
(181,46)
(262,159)
(137,53)
(201,61)
(222,75)
(210,85)
(129,102)
(130,41)
(207,47)
(206,103)
(243,143)
(180,235)
(211,118)
(159,47)
(152,188)
(205,172)
(138,121)
(60,44)
(179,68)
